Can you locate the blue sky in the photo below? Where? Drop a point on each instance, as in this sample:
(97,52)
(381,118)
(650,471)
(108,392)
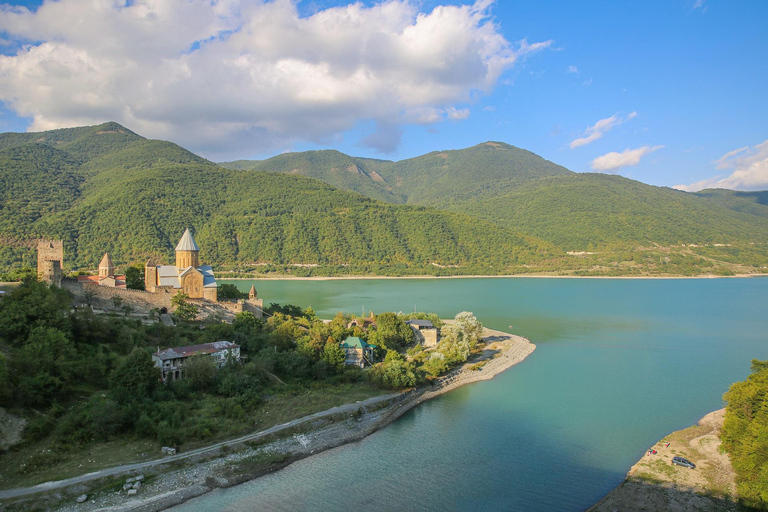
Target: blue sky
(678,84)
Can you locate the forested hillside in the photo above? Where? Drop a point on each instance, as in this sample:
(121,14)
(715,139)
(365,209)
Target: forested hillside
(107,189)
(489,209)
(578,212)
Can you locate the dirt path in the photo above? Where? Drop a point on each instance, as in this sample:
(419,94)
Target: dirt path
(655,484)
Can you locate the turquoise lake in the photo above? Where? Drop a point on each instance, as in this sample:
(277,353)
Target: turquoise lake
(618,365)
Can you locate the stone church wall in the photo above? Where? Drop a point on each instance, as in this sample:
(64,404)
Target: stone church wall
(140,300)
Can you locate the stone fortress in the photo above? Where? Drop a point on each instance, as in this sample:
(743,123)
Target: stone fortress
(161,282)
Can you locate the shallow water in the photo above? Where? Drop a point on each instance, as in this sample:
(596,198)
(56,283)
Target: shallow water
(619,364)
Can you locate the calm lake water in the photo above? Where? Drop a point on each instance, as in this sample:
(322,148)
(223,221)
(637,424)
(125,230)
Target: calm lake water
(619,364)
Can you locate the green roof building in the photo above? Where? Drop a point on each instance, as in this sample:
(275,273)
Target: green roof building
(359,353)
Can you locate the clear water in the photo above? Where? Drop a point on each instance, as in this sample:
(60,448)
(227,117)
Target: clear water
(619,364)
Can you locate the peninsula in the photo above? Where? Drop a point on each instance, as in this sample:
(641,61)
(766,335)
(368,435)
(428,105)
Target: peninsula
(174,479)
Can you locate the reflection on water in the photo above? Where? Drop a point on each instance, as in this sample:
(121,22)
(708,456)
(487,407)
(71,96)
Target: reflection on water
(619,364)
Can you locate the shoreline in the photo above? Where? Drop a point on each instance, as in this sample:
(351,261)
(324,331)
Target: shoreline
(653,483)
(226,464)
(510,276)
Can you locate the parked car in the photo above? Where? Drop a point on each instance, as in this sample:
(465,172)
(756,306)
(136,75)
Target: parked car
(680,461)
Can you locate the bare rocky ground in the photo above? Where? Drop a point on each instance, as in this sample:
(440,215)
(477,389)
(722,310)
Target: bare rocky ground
(654,483)
(168,484)
(11,428)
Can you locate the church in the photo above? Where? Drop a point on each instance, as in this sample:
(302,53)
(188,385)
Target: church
(187,276)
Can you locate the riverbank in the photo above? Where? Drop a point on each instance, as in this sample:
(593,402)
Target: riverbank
(174,480)
(655,484)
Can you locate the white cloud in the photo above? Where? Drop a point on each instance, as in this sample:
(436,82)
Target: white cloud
(749,166)
(698,4)
(627,158)
(220,75)
(598,129)
(587,82)
(573,69)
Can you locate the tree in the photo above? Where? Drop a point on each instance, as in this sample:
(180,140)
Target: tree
(135,377)
(391,332)
(184,309)
(88,295)
(436,364)
(117,301)
(395,372)
(44,365)
(31,305)
(230,291)
(334,355)
(467,323)
(134,278)
(201,371)
(745,435)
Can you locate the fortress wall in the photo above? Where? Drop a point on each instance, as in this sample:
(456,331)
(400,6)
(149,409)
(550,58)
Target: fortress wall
(141,301)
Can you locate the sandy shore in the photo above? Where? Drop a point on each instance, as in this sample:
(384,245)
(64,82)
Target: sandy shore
(171,482)
(525,276)
(653,483)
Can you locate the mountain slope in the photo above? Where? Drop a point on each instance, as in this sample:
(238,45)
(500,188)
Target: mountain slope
(438,179)
(585,211)
(518,190)
(110,190)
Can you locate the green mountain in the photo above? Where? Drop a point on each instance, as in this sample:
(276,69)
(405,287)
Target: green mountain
(518,190)
(440,179)
(489,209)
(105,188)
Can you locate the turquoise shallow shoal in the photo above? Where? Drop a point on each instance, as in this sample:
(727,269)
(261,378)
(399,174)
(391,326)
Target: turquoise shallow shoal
(619,364)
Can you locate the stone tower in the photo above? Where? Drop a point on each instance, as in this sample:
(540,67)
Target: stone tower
(252,295)
(187,252)
(106,268)
(50,261)
(150,276)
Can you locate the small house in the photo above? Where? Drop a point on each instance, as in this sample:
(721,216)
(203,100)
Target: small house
(359,353)
(171,361)
(424,332)
(363,323)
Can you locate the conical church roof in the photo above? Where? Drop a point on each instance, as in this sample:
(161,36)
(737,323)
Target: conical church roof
(187,243)
(106,261)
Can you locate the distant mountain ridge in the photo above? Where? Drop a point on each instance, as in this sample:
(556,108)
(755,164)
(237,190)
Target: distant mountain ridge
(489,209)
(519,190)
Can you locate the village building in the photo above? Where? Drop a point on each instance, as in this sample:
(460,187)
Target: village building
(359,353)
(363,323)
(171,361)
(187,276)
(50,261)
(424,332)
(106,276)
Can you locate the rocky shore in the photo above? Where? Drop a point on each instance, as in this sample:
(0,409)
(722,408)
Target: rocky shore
(171,482)
(655,484)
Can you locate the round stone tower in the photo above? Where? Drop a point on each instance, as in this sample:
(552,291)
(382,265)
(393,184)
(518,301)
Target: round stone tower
(187,252)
